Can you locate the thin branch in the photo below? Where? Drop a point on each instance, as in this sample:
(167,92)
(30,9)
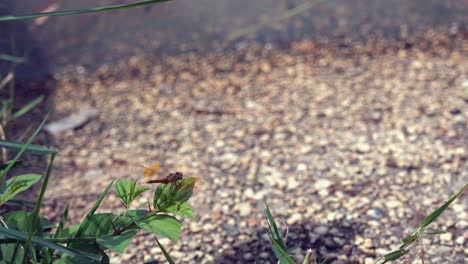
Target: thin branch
(284,16)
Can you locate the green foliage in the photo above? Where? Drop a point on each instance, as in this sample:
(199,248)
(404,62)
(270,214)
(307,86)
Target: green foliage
(117,243)
(16,185)
(127,191)
(31,148)
(168,257)
(164,225)
(282,253)
(28,107)
(276,239)
(173,197)
(414,237)
(26,236)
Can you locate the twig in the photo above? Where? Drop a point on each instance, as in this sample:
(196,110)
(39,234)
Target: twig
(284,16)
(6,80)
(3,137)
(216,112)
(422,251)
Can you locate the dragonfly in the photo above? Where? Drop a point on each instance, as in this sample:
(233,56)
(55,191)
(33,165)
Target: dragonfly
(151,170)
(171,178)
(174,177)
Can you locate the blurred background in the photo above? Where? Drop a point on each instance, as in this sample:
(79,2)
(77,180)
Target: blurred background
(349,118)
(204,25)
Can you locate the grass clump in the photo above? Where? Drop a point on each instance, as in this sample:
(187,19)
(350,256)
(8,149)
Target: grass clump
(284,256)
(28,237)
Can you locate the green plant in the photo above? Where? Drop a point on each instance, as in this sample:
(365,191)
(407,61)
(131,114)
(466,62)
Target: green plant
(278,243)
(25,236)
(415,236)
(7,112)
(284,257)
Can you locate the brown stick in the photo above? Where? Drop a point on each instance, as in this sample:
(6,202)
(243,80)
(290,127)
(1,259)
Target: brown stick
(284,16)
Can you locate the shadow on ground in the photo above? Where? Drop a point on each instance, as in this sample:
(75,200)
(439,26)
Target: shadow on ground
(326,241)
(31,79)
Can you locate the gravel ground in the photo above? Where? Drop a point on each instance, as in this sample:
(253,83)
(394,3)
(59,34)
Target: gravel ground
(350,145)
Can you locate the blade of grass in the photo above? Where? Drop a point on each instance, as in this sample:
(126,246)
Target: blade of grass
(35,216)
(25,146)
(39,241)
(19,202)
(26,108)
(7,79)
(63,219)
(276,239)
(272,224)
(31,148)
(280,252)
(11,58)
(79,11)
(436,213)
(168,257)
(84,225)
(308,257)
(4,165)
(284,16)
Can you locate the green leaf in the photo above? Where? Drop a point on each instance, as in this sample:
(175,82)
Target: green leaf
(182,209)
(166,255)
(184,189)
(436,213)
(135,214)
(16,185)
(395,255)
(87,221)
(280,252)
(99,225)
(31,148)
(73,259)
(39,241)
(434,232)
(46,223)
(272,226)
(70,231)
(117,243)
(21,221)
(409,239)
(276,239)
(127,190)
(26,108)
(173,194)
(163,197)
(12,253)
(140,190)
(164,225)
(79,11)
